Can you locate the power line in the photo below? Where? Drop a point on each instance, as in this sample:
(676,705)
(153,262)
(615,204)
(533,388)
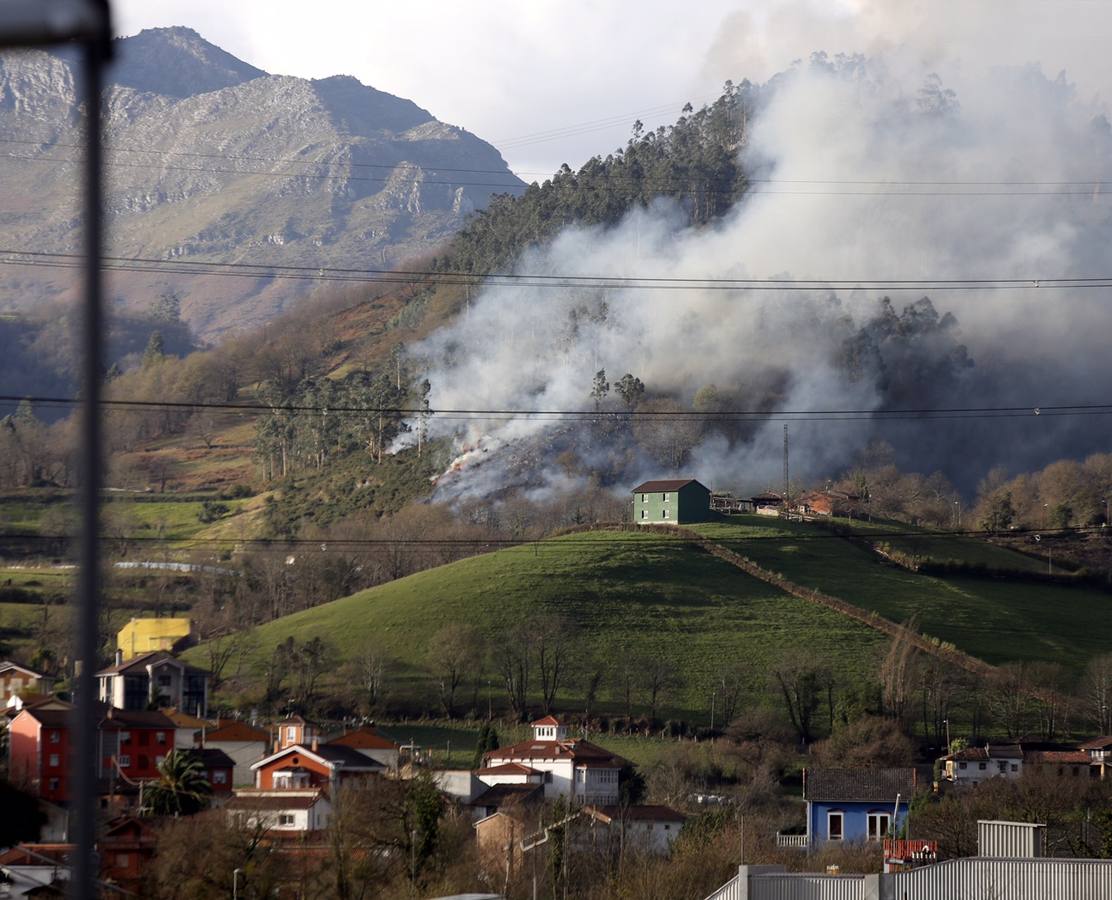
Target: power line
(560,280)
(589,414)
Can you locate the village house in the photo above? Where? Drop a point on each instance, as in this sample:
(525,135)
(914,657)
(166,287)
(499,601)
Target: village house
(767,504)
(285,813)
(244,744)
(154,678)
(371,744)
(19,681)
(649,828)
(856,804)
(572,768)
(972,765)
(829,503)
(1100,754)
(295,730)
(218,768)
(319,765)
(671,502)
(125,849)
(501,797)
(148,635)
(35,870)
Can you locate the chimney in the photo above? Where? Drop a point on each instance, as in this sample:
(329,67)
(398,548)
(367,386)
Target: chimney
(119,657)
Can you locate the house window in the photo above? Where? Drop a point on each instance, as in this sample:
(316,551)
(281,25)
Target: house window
(878,825)
(122,861)
(55,737)
(162,737)
(143,762)
(158,760)
(982,766)
(291,733)
(664,514)
(963,765)
(219,777)
(664,498)
(125,761)
(644,514)
(644,498)
(125,737)
(285,818)
(54,760)
(53,784)
(834,823)
(1015,767)
(1003,766)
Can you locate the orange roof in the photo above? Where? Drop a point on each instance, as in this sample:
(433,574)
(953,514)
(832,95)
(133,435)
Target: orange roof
(508,769)
(579,750)
(1061,756)
(364,738)
(236,731)
(547,720)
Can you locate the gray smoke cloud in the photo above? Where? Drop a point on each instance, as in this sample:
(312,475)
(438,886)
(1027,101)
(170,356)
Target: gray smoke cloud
(851,144)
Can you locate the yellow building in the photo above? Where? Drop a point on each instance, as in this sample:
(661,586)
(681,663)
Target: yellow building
(147,635)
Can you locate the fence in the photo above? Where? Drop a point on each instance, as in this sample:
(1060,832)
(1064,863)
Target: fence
(791,840)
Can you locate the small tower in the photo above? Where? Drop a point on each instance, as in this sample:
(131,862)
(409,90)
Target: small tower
(549,729)
(294,730)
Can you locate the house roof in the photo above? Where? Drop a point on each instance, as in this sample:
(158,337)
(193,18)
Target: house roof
(991,751)
(767,497)
(276,800)
(364,738)
(211,758)
(508,769)
(154,657)
(230,731)
(546,720)
(110,718)
(1098,743)
(331,755)
(33,854)
(509,795)
(575,749)
(7,665)
(293,720)
(640,813)
(858,785)
(669,484)
(51,718)
(183,719)
(1059,756)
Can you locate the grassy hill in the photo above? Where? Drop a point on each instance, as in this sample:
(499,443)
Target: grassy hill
(631,595)
(636,596)
(997,619)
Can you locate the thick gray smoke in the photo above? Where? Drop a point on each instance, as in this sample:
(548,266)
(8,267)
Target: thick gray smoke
(880,170)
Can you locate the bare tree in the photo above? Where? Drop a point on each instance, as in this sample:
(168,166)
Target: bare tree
(1009,698)
(554,641)
(799,682)
(454,653)
(1096,688)
(897,671)
(660,677)
(512,660)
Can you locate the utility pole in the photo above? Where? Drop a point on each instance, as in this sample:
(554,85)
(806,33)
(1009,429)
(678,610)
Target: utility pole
(786,482)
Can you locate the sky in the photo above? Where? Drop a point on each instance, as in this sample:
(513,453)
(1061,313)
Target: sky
(554,81)
(503,69)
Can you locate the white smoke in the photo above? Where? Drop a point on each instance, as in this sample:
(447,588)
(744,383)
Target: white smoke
(849,144)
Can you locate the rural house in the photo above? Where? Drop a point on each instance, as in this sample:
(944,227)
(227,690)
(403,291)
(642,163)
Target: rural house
(297,767)
(17,680)
(649,828)
(567,767)
(141,636)
(671,502)
(154,678)
(856,804)
(244,743)
(371,744)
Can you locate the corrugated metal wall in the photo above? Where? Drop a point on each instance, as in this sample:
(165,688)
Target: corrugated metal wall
(1003,879)
(1013,840)
(807,887)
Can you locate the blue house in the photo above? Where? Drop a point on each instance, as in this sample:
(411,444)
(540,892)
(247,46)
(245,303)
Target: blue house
(856,804)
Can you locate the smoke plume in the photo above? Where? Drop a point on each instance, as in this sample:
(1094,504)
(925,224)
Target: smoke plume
(876,167)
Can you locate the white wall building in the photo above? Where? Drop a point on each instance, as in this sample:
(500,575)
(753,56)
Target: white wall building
(281,810)
(567,767)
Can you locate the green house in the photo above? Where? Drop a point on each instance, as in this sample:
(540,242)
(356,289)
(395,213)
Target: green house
(673,502)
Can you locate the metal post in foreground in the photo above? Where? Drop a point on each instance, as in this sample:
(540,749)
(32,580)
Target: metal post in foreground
(85,763)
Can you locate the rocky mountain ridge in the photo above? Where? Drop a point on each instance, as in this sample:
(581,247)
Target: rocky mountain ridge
(213,160)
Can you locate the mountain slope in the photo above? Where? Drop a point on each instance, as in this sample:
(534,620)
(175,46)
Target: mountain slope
(211,159)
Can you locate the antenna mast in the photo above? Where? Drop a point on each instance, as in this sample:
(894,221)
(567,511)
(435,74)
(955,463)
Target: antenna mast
(786,482)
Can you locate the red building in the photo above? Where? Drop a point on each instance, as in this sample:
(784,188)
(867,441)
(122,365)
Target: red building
(218,768)
(125,849)
(131,745)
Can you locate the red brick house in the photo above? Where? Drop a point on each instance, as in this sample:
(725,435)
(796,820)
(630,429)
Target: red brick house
(219,769)
(125,849)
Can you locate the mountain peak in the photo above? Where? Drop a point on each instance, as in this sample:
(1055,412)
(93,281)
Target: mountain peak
(177,62)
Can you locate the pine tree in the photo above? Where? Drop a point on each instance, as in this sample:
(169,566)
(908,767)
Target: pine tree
(156,350)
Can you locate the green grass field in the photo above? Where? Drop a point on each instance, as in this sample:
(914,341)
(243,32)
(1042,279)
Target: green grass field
(999,621)
(628,594)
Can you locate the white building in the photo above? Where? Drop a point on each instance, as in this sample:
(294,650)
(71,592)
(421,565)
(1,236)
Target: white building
(651,829)
(972,765)
(154,678)
(288,810)
(572,768)
(244,743)
(371,744)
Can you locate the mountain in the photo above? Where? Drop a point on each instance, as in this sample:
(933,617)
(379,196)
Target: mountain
(213,160)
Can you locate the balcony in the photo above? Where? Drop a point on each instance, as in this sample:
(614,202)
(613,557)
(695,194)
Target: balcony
(896,850)
(798,841)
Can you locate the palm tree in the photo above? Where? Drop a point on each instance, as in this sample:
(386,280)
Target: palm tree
(182,788)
